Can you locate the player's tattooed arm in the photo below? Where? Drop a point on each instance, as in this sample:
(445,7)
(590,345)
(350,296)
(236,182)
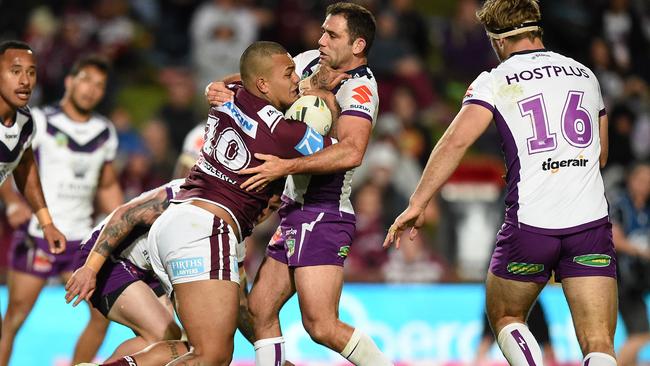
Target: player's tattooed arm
(325,78)
(143,210)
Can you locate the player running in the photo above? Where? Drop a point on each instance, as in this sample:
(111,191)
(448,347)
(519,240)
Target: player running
(550,115)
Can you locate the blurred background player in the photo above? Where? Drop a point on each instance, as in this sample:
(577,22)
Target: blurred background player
(631,229)
(191,151)
(17,80)
(75,148)
(551,117)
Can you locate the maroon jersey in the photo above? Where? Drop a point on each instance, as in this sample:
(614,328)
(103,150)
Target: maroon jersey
(234,133)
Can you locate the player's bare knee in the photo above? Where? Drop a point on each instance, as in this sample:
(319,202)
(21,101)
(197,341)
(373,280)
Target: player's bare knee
(210,356)
(320,331)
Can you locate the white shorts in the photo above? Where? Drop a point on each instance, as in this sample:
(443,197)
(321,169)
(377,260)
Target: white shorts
(187,243)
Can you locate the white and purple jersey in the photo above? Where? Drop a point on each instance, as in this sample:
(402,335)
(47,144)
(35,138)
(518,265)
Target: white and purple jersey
(14,140)
(358,97)
(71,156)
(547,109)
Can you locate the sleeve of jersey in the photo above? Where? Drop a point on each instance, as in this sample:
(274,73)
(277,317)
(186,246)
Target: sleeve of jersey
(358,98)
(601,104)
(296,139)
(111,145)
(40,127)
(481,92)
(302,60)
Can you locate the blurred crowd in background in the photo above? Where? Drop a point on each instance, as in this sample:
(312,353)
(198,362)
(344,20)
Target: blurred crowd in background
(424,56)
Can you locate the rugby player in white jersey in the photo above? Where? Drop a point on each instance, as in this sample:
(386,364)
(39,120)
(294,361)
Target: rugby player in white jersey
(17,80)
(75,148)
(550,115)
(307,253)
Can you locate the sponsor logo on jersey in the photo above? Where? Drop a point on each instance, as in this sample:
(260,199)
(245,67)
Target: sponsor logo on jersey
(524,268)
(468,93)
(291,247)
(555,165)
(11,136)
(248,125)
(187,267)
(42,261)
(593,260)
(61,139)
(344,251)
(359,106)
(362,94)
(277,236)
(311,142)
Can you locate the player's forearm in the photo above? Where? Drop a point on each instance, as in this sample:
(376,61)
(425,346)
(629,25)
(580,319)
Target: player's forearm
(442,163)
(109,197)
(141,211)
(8,194)
(29,183)
(336,158)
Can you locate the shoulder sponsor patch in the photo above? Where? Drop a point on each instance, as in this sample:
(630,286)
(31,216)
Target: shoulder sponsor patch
(270,116)
(524,268)
(186,267)
(362,94)
(311,142)
(593,260)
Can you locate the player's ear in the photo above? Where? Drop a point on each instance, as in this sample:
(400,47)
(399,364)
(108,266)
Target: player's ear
(358,46)
(262,85)
(67,82)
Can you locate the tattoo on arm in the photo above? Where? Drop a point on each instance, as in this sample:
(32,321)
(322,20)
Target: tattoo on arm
(118,228)
(173,350)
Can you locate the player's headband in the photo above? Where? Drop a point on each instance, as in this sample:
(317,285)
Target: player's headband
(527,26)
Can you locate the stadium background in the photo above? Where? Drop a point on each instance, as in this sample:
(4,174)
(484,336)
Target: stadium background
(424,56)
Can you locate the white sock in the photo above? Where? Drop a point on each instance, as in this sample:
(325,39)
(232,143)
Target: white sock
(269,352)
(519,345)
(598,359)
(361,350)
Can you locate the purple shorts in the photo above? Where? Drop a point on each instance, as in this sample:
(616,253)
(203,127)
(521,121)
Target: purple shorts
(530,257)
(308,237)
(114,277)
(32,255)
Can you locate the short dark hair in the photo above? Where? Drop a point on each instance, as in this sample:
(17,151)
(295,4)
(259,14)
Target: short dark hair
(13,45)
(361,22)
(97,61)
(251,63)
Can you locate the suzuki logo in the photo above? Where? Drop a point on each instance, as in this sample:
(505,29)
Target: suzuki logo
(362,95)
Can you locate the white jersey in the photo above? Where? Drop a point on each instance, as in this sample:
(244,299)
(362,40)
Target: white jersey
(547,109)
(356,96)
(70,157)
(14,141)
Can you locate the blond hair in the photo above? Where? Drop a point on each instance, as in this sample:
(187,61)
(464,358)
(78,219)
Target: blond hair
(497,15)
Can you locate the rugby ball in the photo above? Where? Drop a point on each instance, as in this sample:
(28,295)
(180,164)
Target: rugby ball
(313,111)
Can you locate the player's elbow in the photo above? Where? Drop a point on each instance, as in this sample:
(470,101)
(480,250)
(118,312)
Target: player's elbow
(603,160)
(354,159)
